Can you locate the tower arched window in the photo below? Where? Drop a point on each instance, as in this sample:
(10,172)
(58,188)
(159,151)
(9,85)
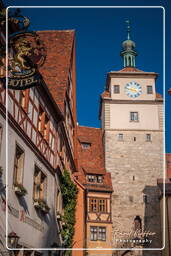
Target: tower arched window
(137,223)
(129,61)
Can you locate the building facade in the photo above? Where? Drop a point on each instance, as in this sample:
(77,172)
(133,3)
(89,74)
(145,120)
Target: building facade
(131,114)
(41,137)
(98,191)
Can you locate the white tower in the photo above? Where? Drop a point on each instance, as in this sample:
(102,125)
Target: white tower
(131,116)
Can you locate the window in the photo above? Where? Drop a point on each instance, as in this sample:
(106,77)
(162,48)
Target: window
(134,116)
(95,178)
(149,89)
(18,165)
(120,136)
(93,205)
(102,234)
(148,137)
(91,178)
(135,138)
(40,119)
(97,233)
(24,99)
(97,205)
(102,205)
(93,233)
(46,128)
(99,179)
(116,89)
(43,124)
(40,185)
(85,145)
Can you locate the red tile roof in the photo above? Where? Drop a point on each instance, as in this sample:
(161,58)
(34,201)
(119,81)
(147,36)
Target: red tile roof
(55,70)
(91,160)
(168,165)
(105,94)
(130,69)
(159,96)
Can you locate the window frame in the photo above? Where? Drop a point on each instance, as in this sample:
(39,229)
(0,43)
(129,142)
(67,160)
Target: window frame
(18,173)
(39,186)
(116,89)
(43,123)
(95,204)
(148,137)
(98,233)
(133,114)
(95,178)
(149,89)
(85,145)
(24,99)
(120,136)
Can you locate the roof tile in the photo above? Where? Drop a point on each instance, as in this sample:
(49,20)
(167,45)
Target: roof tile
(56,67)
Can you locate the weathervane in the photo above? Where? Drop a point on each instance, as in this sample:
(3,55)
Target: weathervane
(128,29)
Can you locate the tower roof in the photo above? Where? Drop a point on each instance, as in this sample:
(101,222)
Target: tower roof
(128,53)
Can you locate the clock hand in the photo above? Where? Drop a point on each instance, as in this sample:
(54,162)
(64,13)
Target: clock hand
(132,89)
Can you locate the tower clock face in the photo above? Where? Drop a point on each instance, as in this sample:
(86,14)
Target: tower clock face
(133,89)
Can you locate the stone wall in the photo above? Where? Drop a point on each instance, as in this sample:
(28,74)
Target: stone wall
(135,165)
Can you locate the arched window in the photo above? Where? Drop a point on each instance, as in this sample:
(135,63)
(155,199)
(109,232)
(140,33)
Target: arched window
(137,223)
(129,61)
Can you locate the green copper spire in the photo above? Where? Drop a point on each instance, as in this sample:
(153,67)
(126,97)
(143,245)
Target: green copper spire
(128,53)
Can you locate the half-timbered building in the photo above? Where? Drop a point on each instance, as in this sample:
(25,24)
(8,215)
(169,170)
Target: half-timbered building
(98,190)
(40,131)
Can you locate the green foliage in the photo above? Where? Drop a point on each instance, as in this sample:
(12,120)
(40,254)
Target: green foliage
(21,187)
(42,203)
(69,194)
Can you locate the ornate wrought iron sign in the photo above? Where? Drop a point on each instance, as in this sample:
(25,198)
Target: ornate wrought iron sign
(26,53)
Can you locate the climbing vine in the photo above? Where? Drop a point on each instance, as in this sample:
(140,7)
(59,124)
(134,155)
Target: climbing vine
(69,194)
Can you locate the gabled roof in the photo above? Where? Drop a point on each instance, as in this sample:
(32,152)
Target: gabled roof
(55,70)
(91,159)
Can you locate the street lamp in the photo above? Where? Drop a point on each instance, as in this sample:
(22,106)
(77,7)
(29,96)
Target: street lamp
(13,240)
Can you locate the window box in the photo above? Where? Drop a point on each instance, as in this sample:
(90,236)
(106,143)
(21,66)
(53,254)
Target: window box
(20,189)
(41,205)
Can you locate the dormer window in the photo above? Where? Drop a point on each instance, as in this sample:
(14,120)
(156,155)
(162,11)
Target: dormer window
(99,179)
(91,178)
(85,145)
(95,178)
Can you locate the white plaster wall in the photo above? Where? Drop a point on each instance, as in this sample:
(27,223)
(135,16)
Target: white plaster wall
(120,116)
(29,235)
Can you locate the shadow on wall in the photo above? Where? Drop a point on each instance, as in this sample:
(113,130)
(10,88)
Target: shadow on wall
(152,219)
(23,204)
(52,235)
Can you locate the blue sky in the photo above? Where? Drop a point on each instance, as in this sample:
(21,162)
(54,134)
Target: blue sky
(99,34)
